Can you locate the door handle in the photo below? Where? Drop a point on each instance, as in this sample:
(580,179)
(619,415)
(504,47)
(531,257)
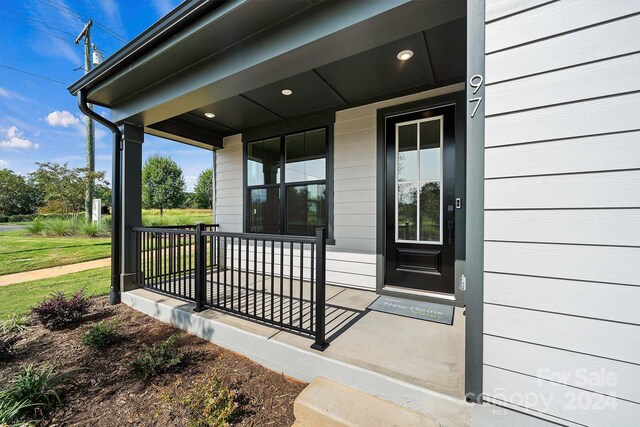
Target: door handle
(450,224)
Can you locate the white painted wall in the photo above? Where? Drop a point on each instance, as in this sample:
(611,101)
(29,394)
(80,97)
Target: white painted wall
(562,225)
(352,260)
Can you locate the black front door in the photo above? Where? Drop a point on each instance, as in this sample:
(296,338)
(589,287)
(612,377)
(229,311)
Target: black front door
(420,200)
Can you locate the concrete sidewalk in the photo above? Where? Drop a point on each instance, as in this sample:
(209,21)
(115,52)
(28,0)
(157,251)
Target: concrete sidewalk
(46,273)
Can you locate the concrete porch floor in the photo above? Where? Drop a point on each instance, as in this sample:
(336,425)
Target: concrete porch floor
(415,363)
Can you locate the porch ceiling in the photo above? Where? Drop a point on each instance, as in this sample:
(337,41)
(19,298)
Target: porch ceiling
(377,73)
(235,62)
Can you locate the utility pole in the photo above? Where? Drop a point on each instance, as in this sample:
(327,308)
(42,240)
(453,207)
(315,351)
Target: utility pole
(91,158)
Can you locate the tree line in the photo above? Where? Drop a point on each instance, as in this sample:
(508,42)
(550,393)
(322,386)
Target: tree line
(56,188)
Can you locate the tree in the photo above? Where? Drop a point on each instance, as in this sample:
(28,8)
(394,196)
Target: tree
(65,185)
(18,196)
(203,191)
(162,184)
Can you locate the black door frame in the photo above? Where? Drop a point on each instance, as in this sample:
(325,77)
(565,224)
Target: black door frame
(458,99)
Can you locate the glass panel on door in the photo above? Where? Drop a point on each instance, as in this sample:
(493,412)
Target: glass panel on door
(419,179)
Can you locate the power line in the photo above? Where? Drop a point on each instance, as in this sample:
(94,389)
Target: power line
(82,18)
(37,21)
(33,74)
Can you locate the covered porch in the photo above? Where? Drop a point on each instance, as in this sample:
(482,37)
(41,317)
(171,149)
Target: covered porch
(298,251)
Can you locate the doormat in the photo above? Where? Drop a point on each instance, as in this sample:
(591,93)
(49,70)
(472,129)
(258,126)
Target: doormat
(422,310)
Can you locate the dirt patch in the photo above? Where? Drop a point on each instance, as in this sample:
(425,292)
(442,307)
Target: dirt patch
(106,394)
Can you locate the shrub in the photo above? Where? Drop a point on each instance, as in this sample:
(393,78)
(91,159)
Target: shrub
(36,227)
(101,335)
(31,391)
(14,324)
(210,403)
(59,311)
(158,358)
(6,346)
(4,218)
(92,229)
(59,227)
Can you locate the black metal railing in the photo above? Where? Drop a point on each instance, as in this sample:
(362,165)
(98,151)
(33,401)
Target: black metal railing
(273,279)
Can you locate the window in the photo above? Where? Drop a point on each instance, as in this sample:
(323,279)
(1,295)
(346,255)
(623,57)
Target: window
(286,183)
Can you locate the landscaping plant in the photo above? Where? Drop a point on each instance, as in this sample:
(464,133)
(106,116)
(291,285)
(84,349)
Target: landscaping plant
(211,403)
(14,324)
(31,392)
(101,335)
(10,414)
(59,311)
(157,358)
(36,227)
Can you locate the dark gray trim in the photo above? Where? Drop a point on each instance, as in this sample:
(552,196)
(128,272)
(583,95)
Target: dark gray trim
(457,99)
(190,131)
(290,126)
(475,205)
(173,23)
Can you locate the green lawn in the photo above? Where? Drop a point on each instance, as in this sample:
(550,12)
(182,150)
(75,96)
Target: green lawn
(22,252)
(20,297)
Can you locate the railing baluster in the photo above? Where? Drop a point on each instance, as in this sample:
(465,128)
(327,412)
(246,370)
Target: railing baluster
(246,282)
(231,272)
(291,283)
(272,265)
(321,253)
(311,288)
(301,281)
(255,276)
(218,270)
(281,281)
(200,266)
(224,273)
(264,266)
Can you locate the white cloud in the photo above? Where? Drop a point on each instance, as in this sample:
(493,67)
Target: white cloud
(62,118)
(4,93)
(4,163)
(13,138)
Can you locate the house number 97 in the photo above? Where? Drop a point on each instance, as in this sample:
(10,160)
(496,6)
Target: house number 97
(476,83)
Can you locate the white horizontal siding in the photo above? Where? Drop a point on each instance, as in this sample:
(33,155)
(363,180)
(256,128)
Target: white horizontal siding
(602,78)
(584,118)
(575,48)
(578,262)
(619,189)
(496,9)
(589,154)
(564,403)
(581,226)
(556,18)
(612,340)
(573,369)
(562,192)
(229,185)
(618,303)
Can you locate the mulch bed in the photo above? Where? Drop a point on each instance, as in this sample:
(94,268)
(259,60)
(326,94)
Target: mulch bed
(106,394)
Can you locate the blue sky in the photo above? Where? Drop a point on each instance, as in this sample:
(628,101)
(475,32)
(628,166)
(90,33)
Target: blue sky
(39,119)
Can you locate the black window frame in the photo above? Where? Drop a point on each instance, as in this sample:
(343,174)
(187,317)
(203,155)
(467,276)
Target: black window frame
(283,185)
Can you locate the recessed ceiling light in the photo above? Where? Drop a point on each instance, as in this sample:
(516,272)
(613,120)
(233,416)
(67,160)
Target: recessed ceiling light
(209,115)
(287,92)
(405,54)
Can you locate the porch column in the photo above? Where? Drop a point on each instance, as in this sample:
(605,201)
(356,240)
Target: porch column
(132,139)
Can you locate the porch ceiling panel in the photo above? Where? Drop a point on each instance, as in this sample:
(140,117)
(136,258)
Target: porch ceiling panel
(236,113)
(442,41)
(310,93)
(377,71)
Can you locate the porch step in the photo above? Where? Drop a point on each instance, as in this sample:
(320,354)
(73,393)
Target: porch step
(325,403)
